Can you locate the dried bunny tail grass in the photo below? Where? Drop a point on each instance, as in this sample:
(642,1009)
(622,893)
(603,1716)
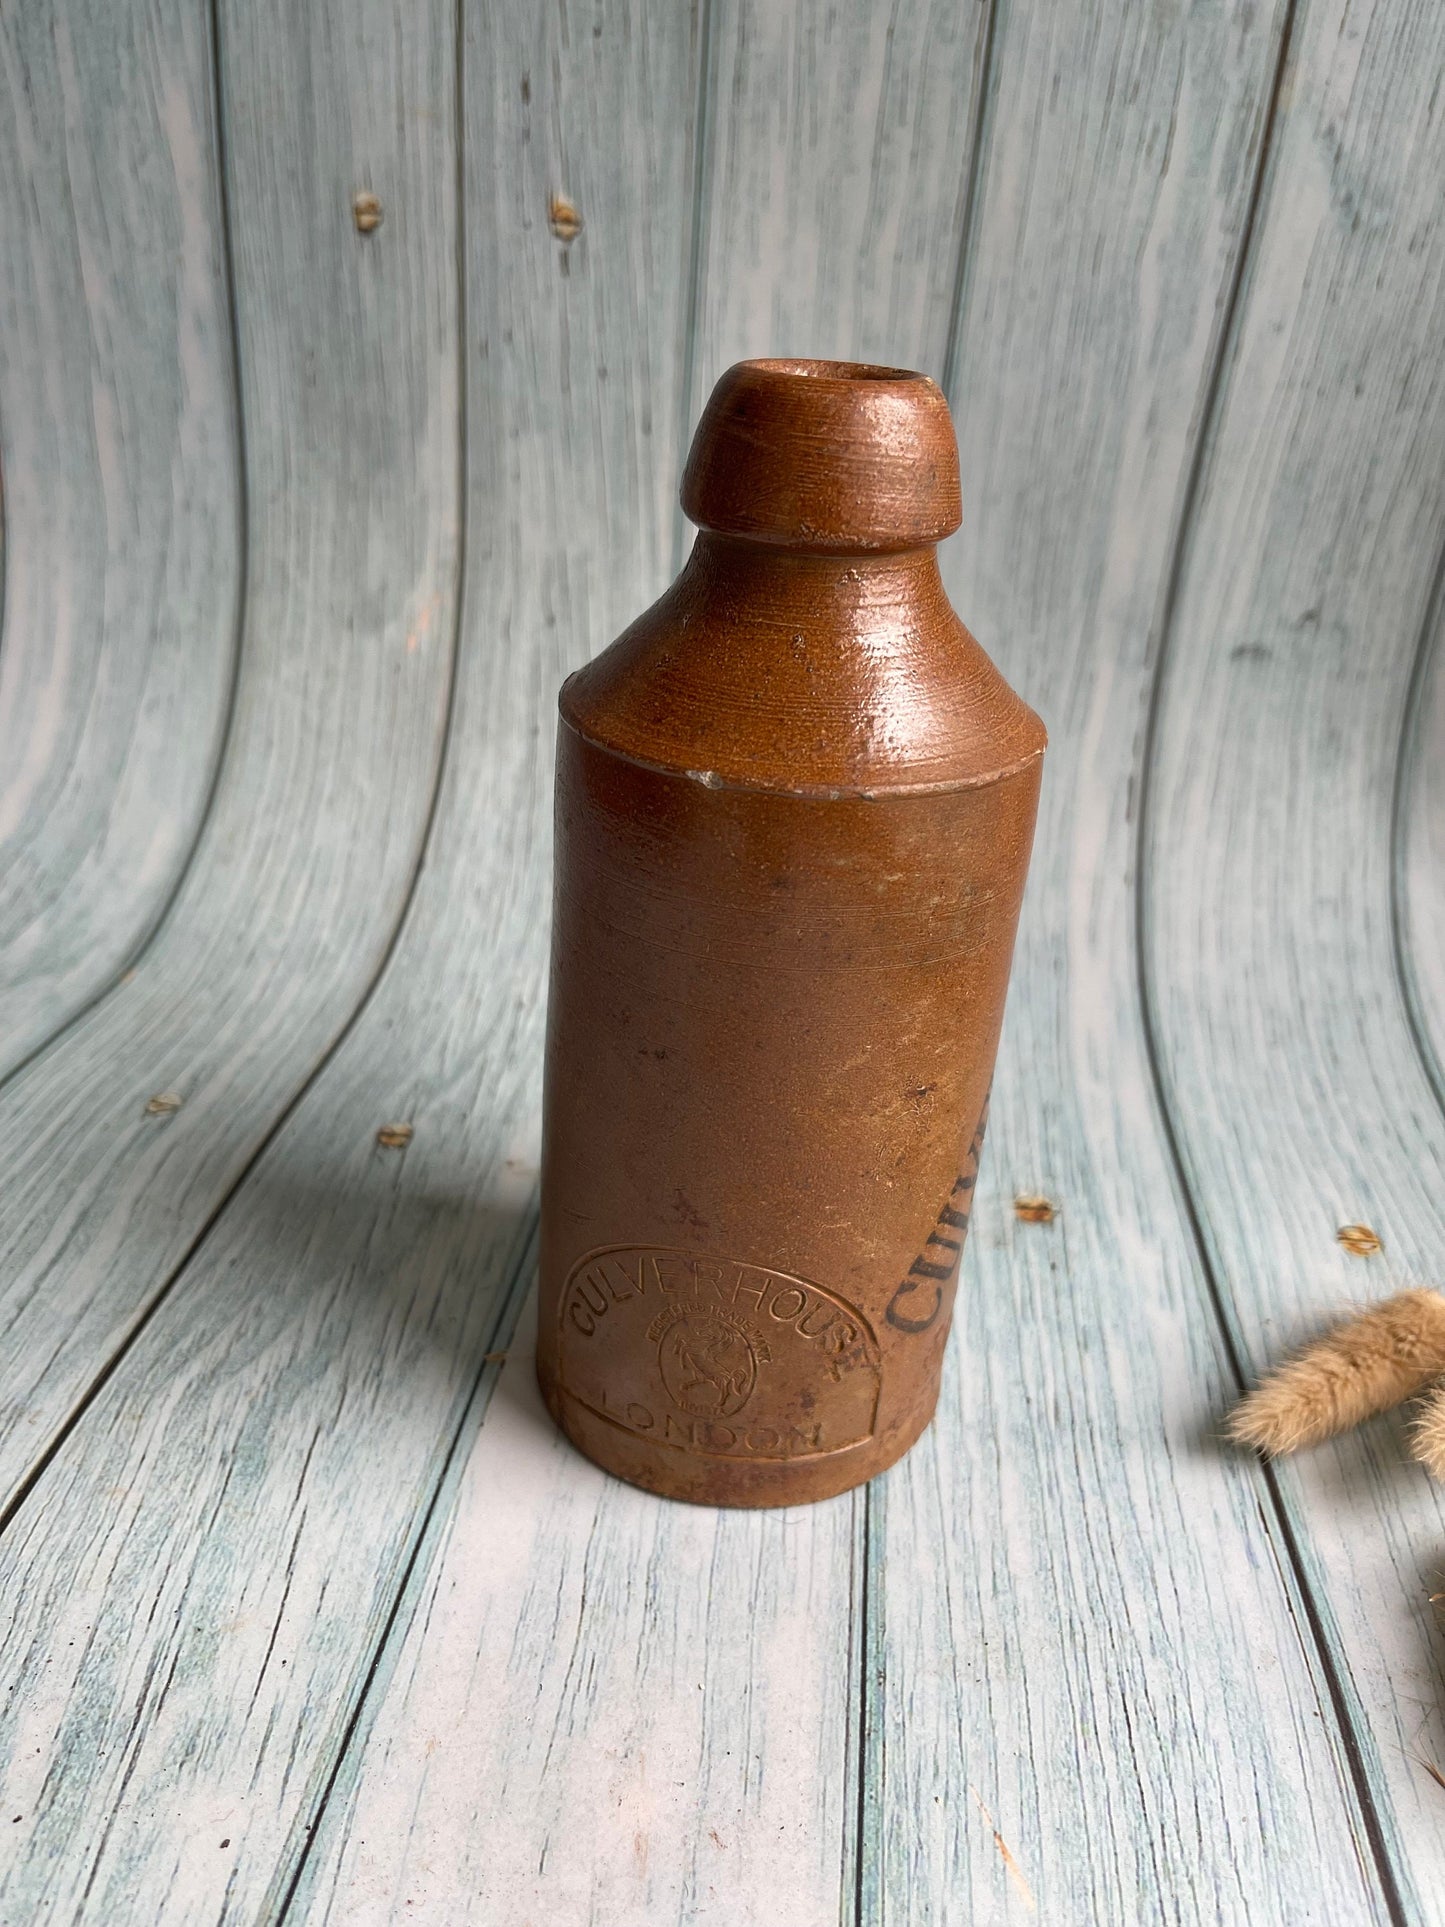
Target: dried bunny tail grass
(1364,1366)
(1427,1434)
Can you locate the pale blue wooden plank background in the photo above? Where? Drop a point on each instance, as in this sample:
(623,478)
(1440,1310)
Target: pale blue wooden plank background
(122,500)
(311,1613)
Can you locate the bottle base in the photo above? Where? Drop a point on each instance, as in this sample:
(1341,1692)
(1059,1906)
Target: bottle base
(725,1478)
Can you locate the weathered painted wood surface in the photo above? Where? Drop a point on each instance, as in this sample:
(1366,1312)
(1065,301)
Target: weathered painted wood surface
(118,446)
(835,169)
(1297,1090)
(349,376)
(312,1615)
(333,1325)
(1067,1520)
(1419,847)
(654,1701)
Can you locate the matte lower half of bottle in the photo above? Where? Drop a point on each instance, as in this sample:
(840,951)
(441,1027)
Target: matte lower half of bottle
(771,1038)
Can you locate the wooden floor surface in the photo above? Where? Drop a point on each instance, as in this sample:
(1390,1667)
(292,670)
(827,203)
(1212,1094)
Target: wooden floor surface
(309,1612)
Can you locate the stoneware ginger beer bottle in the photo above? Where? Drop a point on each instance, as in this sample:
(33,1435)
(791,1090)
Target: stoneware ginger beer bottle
(794,808)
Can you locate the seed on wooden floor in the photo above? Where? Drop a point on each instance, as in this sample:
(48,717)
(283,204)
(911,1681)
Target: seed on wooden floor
(1359,1239)
(563,218)
(366,212)
(394,1137)
(493,1358)
(164,1103)
(1031,1207)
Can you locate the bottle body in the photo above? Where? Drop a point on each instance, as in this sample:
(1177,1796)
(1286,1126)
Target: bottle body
(794,811)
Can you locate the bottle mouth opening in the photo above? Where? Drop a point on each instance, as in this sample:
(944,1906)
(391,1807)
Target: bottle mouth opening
(851,371)
(825,456)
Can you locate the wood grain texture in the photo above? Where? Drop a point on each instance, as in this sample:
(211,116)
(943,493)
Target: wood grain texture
(834,181)
(1299,1096)
(349,373)
(1090,1693)
(605,1708)
(1418,832)
(122,566)
(280,1427)
(291,1632)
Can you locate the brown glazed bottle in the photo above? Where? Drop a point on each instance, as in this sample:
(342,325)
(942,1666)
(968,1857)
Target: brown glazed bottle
(795,802)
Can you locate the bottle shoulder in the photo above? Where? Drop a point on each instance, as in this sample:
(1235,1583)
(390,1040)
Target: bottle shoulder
(853,677)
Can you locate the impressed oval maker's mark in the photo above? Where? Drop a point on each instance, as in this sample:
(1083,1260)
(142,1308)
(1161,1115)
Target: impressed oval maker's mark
(714,1356)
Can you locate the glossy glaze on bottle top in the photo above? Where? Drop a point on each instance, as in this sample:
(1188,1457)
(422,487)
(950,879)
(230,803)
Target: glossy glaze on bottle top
(830,456)
(809,646)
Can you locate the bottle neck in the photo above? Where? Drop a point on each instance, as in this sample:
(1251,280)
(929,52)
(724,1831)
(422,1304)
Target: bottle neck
(816,675)
(874,598)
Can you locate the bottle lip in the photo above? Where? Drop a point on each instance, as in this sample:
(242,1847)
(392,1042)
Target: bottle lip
(850,371)
(827,456)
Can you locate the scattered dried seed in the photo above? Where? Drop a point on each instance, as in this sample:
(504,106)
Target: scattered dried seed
(366,212)
(493,1358)
(394,1137)
(1030,1207)
(1359,1239)
(164,1103)
(563,218)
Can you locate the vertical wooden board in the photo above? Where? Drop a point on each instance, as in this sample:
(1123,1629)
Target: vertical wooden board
(223,1533)
(834,180)
(349,363)
(1090,1694)
(604,1707)
(1418,833)
(1297,1090)
(121,499)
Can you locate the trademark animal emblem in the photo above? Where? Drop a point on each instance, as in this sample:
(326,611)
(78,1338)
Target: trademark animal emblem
(708,1359)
